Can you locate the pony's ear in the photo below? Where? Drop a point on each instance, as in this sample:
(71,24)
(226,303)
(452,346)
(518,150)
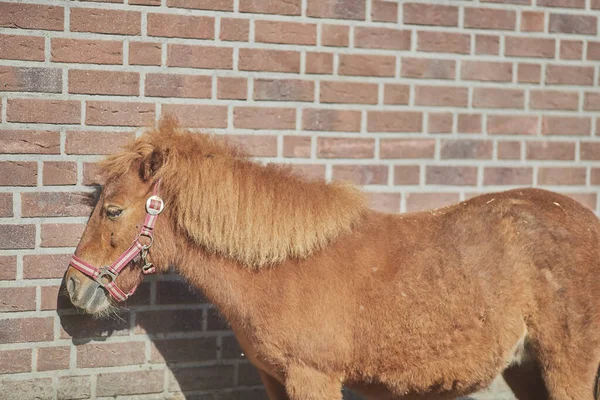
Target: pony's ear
(151,163)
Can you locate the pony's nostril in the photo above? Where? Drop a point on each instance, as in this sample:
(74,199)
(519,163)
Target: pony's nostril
(71,285)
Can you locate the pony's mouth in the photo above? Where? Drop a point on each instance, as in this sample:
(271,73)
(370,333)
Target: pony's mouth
(90,298)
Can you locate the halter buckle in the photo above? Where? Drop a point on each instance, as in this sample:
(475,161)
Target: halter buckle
(105,271)
(153,211)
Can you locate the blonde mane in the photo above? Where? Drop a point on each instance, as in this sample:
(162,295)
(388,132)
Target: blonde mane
(259,215)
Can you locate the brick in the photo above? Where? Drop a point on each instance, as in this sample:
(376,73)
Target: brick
(340,9)
(14,361)
(595,176)
(145,2)
(569,75)
(177,292)
(86,51)
(532,21)
(345,148)
(486,71)
(18,173)
(553,100)
(284,90)
(24,330)
(181,26)
(361,174)
(17,237)
(529,73)
(529,47)
(348,92)
(178,85)
(104,82)
(297,146)
(381,38)
(59,173)
(591,101)
(561,3)
(283,7)
(285,32)
(571,49)
(131,383)
(561,176)
(366,65)
(384,11)
(384,202)
(269,60)
(512,124)
(550,151)
(407,148)
(93,355)
(425,201)
(79,326)
(489,18)
(30,79)
(30,142)
(61,235)
(8,268)
(31,16)
(232,88)
(571,126)
(28,48)
(500,176)
(184,350)
(427,68)
(99,20)
(74,387)
(309,171)
(201,378)
(593,50)
(394,93)
(55,204)
(590,151)
(586,199)
(509,150)
(449,96)
(168,321)
(40,388)
(450,175)
(575,24)
(91,174)
(466,149)
(255,145)
(264,118)
(394,121)
(468,123)
(198,116)
(13,299)
(216,5)
(234,29)
(145,53)
(443,42)
(53,298)
(335,35)
(330,120)
(487,44)
(429,14)
(439,123)
(406,175)
(498,98)
(44,111)
(114,113)
(595,4)
(6,205)
(96,142)
(47,266)
(319,63)
(192,56)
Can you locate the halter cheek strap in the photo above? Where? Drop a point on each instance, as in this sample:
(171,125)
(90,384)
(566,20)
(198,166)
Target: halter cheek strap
(107,275)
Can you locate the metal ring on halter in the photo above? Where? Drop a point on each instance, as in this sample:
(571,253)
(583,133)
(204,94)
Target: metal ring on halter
(105,271)
(151,210)
(146,246)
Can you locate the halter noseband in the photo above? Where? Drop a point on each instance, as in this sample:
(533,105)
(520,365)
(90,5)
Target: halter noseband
(106,275)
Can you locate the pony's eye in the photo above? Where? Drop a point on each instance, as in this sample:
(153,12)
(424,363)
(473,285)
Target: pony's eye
(113,212)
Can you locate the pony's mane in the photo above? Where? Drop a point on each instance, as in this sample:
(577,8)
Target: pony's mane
(257,214)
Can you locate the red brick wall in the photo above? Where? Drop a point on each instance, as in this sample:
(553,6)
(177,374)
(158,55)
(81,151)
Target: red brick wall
(423,104)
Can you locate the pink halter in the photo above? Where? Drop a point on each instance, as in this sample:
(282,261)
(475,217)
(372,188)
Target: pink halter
(106,276)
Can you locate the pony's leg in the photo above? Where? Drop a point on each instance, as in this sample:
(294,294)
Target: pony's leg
(274,389)
(525,381)
(304,383)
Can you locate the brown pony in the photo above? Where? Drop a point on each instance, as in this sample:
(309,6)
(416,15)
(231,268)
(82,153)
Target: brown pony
(323,292)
